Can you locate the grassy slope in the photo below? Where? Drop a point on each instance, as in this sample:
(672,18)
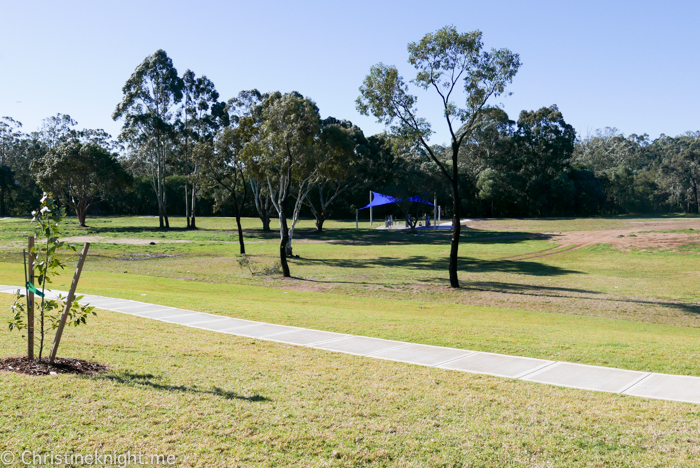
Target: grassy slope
(216,400)
(600,341)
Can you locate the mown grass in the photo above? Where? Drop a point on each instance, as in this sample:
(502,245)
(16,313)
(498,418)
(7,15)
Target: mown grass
(223,401)
(218,400)
(588,340)
(496,266)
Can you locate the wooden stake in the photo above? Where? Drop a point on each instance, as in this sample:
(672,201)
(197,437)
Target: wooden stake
(30,301)
(69,302)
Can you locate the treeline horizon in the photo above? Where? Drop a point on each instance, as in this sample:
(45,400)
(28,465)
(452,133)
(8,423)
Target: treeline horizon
(605,173)
(534,166)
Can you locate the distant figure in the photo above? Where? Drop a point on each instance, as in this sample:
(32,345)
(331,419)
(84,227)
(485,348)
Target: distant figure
(427,220)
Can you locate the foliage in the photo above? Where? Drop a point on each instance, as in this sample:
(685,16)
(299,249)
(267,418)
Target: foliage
(342,146)
(79,173)
(255,269)
(443,60)
(149,111)
(50,258)
(201,116)
(285,153)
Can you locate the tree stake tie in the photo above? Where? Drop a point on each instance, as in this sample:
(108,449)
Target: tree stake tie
(33,289)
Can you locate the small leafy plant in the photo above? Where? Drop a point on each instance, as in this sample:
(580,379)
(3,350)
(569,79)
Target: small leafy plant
(257,270)
(50,254)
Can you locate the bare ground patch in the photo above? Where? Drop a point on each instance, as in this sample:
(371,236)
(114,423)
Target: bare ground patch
(22,365)
(628,239)
(121,240)
(304,285)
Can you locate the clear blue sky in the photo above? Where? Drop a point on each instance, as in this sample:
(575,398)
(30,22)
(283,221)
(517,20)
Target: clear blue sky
(631,65)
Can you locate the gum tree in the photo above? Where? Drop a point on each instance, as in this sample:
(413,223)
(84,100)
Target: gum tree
(245,113)
(452,65)
(149,110)
(222,169)
(340,144)
(201,116)
(284,153)
(80,173)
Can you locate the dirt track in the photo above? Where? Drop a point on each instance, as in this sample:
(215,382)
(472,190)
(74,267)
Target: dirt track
(123,240)
(644,235)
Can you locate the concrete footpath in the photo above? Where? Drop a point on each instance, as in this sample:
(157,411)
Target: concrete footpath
(565,374)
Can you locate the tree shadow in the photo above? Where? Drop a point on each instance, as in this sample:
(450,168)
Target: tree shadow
(151,381)
(418,237)
(573,293)
(422,262)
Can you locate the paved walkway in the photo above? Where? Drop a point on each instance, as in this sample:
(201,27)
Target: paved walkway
(565,374)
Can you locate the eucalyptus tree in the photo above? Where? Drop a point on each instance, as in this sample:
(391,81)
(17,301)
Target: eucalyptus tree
(543,150)
(10,133)
(341,146)
(56,130)
(262,200)
(221,168)
(149,110)
(444,61)
(201,115)
(680,171)
(245,114)
(10,138)
(285,153)
(79,173)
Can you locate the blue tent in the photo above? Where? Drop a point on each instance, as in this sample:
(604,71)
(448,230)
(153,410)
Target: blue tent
(378,200)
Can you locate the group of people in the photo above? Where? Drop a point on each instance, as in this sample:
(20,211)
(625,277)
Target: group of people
(389,221)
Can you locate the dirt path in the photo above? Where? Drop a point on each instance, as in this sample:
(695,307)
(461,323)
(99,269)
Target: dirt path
(121,240)
(643,235)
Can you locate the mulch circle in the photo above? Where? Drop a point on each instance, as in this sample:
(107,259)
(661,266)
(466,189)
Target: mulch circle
(22,365)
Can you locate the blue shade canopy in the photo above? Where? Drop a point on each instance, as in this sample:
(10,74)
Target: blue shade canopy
(379,199)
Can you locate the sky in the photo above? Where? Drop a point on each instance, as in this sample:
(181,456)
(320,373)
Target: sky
(629,65)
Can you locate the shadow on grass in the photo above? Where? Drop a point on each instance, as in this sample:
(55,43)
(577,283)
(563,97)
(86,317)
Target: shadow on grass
(332,236)
(151,381)
(405,237)
(422,262)
(572,293)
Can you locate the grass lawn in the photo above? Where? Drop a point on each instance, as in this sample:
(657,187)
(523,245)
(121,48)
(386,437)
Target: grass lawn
(218,400)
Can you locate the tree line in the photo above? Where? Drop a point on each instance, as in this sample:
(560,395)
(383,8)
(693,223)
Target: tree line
(184,151)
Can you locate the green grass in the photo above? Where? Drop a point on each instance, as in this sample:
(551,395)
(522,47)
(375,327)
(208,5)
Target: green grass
(221,401)
(216,400)
(588,340)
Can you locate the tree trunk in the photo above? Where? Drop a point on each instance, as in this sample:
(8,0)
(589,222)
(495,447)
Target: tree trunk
(283,243)
(82,214)
(238,224)
(266,222)
(697,202)
(193,222)
(240,234)
(163,197)
(2,199)
(320,218)
(187,206)
(456,230)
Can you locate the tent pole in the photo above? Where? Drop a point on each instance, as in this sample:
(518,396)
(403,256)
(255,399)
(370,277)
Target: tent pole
(435,211)
(357,219)
(370,208)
